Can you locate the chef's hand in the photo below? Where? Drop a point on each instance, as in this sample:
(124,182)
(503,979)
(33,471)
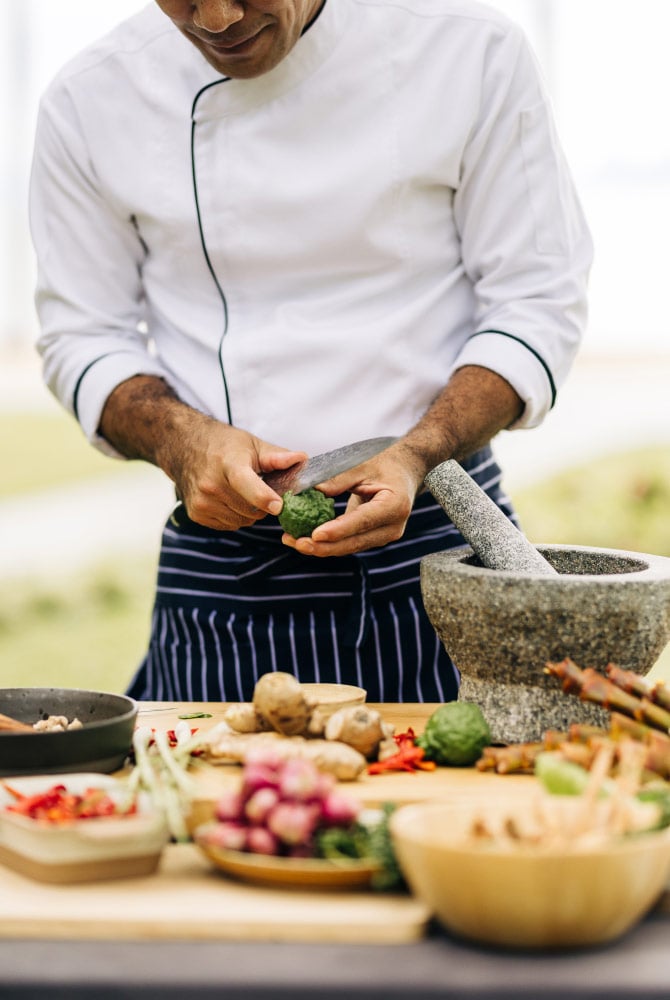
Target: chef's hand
(216,468)
(219,478)
(383,491)
(475,404)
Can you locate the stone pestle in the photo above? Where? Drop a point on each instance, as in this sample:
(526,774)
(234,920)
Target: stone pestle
(491,535)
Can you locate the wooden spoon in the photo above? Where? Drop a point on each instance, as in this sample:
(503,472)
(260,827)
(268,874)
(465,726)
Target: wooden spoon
(9,725)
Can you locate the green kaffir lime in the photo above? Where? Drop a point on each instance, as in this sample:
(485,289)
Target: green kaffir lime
(303,512)
(455,734)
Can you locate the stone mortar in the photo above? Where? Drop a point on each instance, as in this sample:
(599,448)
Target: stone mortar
(501,627)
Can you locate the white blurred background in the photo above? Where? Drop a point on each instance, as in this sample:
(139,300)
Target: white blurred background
(606,66)
(607,70)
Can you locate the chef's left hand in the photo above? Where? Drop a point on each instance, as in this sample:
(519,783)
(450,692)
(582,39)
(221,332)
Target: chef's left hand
(383,491)
(474,405)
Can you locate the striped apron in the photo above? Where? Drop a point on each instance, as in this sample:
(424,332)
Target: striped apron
(231,606)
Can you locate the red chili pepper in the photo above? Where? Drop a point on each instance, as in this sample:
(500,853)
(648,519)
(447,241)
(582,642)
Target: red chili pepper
(14,792)
(28,804)
(409,757)
(172,736)
(408,738)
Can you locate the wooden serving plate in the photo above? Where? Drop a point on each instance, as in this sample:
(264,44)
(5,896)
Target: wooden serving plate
(289,873)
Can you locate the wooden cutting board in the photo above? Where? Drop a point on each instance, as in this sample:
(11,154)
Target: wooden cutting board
(464,784)
(188,899)
(396,787)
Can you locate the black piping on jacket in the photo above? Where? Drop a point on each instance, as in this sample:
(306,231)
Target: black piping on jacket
(547,370)
(203,242)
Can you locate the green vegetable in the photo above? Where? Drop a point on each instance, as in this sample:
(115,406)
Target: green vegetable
(564,777)
(303,512)
(371,839)
(560,777)
(661,796)
(455,734)
(160,771)
(380,846)
(339,843)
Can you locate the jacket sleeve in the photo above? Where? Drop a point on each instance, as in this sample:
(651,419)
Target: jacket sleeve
(525,243)
(89,262)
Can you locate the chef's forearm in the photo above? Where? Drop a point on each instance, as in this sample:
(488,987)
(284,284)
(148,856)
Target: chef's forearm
(474,406)
(143,418)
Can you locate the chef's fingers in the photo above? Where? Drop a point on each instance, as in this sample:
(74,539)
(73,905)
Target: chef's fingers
(276,459)
(254,488)
(218,512)
(226,504)
(368,478)
(364,525)
(241,490)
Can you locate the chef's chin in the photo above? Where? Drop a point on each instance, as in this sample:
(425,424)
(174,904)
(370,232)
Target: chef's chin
(251,58)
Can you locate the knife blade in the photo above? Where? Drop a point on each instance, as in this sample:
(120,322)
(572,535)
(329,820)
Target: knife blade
(304,475)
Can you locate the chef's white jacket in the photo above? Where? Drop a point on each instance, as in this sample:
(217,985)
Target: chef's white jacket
(309,254)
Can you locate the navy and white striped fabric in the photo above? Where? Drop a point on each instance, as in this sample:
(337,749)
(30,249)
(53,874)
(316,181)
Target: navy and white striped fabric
(231,606)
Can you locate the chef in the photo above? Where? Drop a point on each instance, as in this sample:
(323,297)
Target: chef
(264,229)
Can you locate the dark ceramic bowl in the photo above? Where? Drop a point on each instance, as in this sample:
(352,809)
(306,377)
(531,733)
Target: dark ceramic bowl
(101,745)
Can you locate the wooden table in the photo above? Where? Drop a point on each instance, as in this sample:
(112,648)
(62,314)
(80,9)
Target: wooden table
(53,963)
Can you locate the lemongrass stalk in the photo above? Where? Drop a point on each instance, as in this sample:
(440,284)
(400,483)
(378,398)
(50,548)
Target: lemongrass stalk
(175,772)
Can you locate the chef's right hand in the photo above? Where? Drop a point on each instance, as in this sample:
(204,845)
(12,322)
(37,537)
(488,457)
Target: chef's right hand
(218,476)
(216,468)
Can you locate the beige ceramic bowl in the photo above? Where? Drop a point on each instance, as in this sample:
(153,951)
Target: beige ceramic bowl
(86,850)
(331,697)
(526,897)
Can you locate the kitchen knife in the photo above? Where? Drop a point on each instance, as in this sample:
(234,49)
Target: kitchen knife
(317,469)
(304,475)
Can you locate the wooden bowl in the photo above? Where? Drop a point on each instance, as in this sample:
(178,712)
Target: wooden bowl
(526,897)
(287,873)
(331,697)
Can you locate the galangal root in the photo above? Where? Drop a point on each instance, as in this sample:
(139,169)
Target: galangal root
(638,710)
(576,821)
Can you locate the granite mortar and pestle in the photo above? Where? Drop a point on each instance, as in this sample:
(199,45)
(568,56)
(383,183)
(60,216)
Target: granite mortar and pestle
(503,607)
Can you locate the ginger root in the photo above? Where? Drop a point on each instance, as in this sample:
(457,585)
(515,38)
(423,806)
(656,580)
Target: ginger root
(244,718)
(280,701)
(360,727)
(281,706)
(338,759)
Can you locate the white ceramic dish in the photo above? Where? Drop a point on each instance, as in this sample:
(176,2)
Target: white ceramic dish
(87,849)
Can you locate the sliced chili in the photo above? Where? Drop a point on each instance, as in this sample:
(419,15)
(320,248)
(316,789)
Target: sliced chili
(409,757)
(57,805)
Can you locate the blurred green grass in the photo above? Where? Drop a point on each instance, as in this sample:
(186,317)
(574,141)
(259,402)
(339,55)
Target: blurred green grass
(43,450)
(86,630)
(90,628)
(620,501)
